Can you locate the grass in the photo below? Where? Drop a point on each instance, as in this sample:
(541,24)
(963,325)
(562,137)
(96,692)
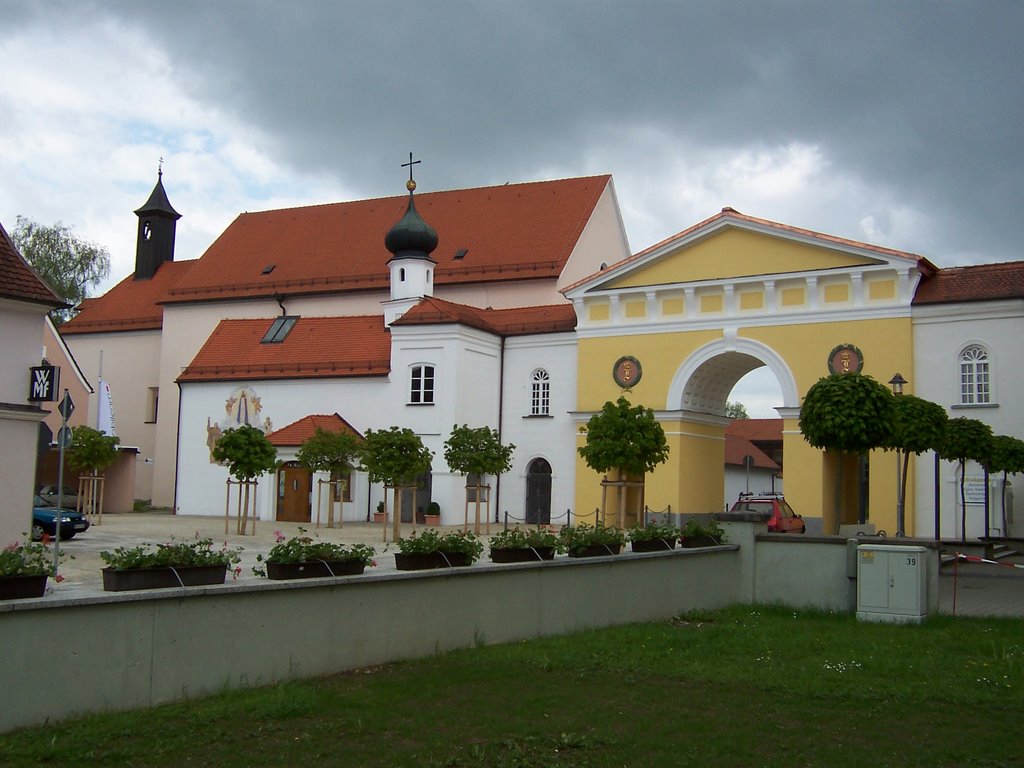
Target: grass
(739,687)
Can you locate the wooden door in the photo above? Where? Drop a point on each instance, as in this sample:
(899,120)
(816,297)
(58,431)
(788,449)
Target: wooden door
(293,487)
(538,493)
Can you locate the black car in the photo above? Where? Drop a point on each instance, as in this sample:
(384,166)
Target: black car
(44,520)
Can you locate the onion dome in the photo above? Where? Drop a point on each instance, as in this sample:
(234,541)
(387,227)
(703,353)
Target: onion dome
(411,237)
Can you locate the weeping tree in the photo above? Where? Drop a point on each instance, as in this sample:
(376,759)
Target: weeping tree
(330,453)
(394,457)
(624,438)
(477,451)
(247,453)
(917,426)
(847,413)
(965,440)
(1006,456)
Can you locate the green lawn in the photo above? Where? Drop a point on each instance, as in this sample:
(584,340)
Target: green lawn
(741,687)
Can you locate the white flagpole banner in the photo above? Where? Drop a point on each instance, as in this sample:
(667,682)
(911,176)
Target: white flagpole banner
(105,413)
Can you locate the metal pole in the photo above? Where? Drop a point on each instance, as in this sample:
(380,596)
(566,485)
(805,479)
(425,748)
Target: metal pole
(60,487)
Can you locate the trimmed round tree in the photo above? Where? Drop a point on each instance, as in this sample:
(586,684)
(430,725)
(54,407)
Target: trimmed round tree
(624,438)
(847,413)
(92,452)
(247,454)
(477,451)
(917,426)
(328,452)
(1006,456)
(965,440)
(394,457)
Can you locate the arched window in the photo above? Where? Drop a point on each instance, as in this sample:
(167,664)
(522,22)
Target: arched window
(421,385)
(540,393)
(974,376)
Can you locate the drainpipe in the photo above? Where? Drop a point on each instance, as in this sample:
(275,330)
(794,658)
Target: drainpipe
(501,423)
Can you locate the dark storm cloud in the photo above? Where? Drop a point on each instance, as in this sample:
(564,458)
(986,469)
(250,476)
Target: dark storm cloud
(922,100)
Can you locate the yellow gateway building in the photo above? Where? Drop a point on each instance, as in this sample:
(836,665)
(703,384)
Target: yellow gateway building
(677,325)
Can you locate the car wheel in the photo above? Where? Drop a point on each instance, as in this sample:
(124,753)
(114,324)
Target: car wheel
(37,533)
(803,529)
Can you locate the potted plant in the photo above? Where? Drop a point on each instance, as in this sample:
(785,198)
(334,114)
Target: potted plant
(702,533)
(380,516)
(517,545)
(431,549)
(433,514)
(584,540)
(24,568)
(302,557)
(175,564)
(653,537)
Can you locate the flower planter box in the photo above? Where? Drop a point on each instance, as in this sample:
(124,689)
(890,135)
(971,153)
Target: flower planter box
(380,517)
(597,550)
(434,520)
(523,555)
(314,569)
(18,587)
(653,545)
(699,541)
(425,560)
(161,578)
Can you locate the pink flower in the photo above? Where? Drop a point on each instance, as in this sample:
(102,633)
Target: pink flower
(279,537)
(59,578)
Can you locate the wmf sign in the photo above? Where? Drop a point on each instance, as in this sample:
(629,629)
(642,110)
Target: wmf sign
(44,383)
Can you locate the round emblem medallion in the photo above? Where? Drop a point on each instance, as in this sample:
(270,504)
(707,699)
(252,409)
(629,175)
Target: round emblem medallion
(845,358)
(627,372)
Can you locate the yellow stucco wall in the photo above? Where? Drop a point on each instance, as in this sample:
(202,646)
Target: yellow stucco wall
(737,253)
(692,480)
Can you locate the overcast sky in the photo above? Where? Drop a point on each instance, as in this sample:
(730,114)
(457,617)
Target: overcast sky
(895,123)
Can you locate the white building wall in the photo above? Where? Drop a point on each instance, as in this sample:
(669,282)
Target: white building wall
(940,333)
(131,366)
(20,349)
(552,438)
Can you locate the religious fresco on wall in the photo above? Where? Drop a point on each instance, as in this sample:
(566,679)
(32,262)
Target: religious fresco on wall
(243,406)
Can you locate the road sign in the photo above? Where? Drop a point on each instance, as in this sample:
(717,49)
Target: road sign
(64,437)
(67,406)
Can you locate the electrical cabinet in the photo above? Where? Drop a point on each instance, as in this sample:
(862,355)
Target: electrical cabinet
(892,583)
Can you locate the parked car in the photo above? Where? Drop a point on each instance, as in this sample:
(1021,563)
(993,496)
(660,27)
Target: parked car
(783,519)
(44,520)
(69,498)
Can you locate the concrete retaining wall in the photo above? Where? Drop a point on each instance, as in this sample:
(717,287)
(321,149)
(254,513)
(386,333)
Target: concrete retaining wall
(138,649)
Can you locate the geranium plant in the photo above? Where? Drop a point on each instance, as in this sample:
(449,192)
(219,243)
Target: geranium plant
(174,554)
(28,559)
(526,538)
(695,528)
(653,531)
(577,538)
(306,549)
(430,541)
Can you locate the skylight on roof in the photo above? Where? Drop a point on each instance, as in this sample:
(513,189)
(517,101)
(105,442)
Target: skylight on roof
(279,329)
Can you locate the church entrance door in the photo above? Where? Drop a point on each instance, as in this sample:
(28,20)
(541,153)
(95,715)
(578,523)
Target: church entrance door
(538,493)
(293,487)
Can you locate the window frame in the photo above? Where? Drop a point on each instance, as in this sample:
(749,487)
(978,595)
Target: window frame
(540,393)
(422,385)
(974,376)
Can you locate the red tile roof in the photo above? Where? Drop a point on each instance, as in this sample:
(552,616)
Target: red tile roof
(18,280)
(730,214)
(515,321)
(981,282)
(131,305)
(737,447)
(300,431)
(510,232)
(316,347)
(756,429)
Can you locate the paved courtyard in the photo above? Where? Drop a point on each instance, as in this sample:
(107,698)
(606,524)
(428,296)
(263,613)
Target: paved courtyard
(966,589)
